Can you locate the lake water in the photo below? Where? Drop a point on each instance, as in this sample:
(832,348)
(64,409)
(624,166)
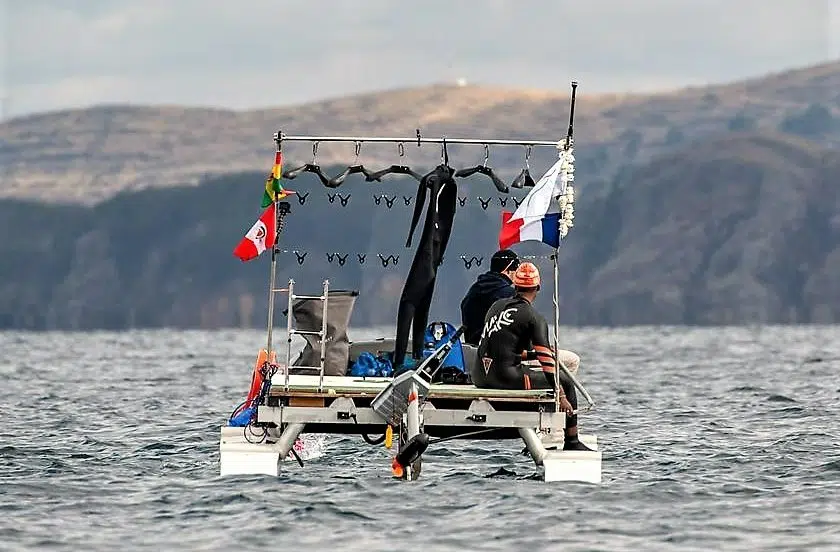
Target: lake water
(713,439)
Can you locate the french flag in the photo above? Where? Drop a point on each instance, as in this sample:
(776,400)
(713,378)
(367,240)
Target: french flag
(537,218)
(545,229)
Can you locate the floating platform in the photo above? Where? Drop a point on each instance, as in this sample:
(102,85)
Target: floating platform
(343,405)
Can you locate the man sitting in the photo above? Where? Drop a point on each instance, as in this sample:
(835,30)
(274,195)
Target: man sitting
(488,288)
(514,331)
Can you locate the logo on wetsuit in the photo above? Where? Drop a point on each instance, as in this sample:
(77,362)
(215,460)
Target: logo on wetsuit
(487,362)
(497,321)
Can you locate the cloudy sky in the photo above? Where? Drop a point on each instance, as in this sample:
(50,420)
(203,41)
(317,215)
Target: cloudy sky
(69,53)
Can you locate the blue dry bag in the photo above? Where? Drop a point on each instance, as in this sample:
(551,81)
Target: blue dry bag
(242,418)
(370,366)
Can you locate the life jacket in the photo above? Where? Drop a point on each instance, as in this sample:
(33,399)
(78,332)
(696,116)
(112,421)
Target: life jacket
(453,369)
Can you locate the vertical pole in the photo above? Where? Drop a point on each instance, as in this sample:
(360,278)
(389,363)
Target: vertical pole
(271,282)
(273,276)
(324,335)
(291,293)
(556,329)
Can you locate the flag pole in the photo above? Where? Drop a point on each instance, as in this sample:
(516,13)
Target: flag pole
(559,364)
(273,274)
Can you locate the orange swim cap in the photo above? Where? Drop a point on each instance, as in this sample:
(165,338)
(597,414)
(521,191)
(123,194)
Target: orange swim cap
(526,276)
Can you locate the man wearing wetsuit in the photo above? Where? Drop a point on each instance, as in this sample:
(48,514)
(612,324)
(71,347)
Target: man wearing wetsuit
(512,329)
(491,286)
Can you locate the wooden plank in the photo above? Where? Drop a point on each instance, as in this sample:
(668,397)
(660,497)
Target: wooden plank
(306,400)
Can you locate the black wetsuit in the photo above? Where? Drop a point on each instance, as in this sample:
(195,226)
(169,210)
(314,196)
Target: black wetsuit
(416,298)
(487,289)
(511,327)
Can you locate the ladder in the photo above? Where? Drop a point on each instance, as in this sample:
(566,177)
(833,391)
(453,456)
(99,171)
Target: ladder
(292,331)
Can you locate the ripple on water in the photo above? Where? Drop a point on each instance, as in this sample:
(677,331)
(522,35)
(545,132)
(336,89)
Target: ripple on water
(115,444)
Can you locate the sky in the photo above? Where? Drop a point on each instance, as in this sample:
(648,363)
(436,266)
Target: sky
(57,54)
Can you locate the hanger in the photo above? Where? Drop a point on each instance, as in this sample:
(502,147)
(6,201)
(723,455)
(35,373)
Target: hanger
(309,167)
(485,170)
(524,178)
(355,168)
(394,169)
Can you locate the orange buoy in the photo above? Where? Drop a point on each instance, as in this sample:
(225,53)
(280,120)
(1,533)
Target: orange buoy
(397,469)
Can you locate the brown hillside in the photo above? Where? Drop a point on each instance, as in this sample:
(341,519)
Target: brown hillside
(90,154)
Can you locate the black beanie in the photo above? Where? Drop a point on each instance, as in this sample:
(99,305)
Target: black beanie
(504,260)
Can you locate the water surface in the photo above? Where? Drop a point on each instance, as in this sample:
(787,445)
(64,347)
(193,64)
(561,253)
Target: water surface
(713,439)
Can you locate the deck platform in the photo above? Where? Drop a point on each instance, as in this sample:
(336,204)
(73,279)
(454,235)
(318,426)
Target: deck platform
(342,405)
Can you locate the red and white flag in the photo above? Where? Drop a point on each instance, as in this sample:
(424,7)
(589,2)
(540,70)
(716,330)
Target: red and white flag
(260,237)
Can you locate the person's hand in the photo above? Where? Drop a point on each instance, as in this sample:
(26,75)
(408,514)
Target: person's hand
(566,406)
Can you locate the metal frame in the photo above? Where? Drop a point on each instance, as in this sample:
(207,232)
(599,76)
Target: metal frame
(340,411)
(291,330)
(279,138)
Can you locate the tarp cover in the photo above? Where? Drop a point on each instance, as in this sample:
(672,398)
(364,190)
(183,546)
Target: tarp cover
(308,316)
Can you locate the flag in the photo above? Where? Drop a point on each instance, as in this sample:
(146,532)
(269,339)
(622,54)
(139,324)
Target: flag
(536,218)
(260,237)
(545,229)
(273,189)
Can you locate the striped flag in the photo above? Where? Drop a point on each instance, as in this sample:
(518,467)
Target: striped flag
(536,218)
(274,191)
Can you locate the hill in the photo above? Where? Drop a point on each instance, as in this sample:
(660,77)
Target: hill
(738,229)
(89,155)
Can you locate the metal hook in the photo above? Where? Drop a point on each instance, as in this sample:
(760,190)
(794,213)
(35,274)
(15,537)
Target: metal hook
(358,150)
(486,154)
(527,156)
(401,149)
(314,151)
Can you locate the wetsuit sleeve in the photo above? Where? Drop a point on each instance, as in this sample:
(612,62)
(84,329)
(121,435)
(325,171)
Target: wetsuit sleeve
(542,346)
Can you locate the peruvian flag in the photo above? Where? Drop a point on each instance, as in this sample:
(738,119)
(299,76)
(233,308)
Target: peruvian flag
(260,237)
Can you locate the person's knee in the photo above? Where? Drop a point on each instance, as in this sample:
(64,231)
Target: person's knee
(569,359)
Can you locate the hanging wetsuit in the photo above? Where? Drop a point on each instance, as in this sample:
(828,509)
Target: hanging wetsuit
(416,298)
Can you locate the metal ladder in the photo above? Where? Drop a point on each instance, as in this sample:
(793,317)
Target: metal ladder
(291,330)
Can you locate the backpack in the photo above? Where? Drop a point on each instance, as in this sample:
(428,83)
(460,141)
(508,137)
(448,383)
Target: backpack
(453,369)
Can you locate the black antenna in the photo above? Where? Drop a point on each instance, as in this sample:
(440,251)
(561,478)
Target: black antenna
(571,131)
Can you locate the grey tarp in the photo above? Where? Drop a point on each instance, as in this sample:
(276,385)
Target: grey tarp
(308,316)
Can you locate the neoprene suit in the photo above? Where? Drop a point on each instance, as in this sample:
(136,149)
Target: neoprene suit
(416,298)
(512,326)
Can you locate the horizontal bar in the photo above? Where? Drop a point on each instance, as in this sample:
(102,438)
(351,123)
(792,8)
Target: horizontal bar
(439,418)
(318,297)
(306,332)
(286,138)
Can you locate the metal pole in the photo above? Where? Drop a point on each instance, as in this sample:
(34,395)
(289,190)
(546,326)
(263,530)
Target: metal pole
(558,363)
(395,140)
(324,335)
(556,299)
(272,278)
(289,331)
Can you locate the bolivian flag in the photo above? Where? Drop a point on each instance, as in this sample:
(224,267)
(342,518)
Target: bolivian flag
(273,189)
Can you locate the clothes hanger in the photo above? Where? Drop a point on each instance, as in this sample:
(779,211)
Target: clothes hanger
(524,177)
(394,169)
(485,170)
(309,167)
(355,168)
